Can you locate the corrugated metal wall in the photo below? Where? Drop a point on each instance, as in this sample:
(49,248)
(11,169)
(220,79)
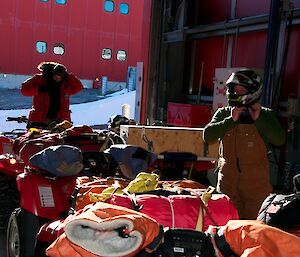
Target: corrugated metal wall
(83,27)
(222,34)
(248,48)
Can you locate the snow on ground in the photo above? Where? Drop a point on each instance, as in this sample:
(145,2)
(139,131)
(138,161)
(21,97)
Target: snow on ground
(92,113)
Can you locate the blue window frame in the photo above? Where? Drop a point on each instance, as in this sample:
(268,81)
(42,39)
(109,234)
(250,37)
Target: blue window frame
(61,1)
(124,8)
(109,6)
(41,47)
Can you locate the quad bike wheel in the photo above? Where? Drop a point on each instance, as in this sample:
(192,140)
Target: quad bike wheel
(21,233)
(9,198)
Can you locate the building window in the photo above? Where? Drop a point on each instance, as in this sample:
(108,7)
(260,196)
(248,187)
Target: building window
(124,8)
(106,53)
(109,6)
(61,1)
(41,47)
(121,55)
(58,49)
(44,1)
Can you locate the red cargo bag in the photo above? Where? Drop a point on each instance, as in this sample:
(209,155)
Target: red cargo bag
(181,211)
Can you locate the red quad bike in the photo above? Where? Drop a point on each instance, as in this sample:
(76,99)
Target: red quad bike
(42,198)
(11,164)
(10,168)
(31,197)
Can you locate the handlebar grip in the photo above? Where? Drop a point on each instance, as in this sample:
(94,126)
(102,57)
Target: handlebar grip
(20,119)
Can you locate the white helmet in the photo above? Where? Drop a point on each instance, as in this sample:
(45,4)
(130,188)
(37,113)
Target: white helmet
(248,79)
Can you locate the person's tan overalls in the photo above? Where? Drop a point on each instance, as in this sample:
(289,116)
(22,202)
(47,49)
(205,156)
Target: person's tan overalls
(245,175)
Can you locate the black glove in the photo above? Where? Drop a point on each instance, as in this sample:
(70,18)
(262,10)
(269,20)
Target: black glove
(61,71)
(44,88)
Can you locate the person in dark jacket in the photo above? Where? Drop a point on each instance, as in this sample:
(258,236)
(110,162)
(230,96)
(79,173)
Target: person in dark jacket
(245,129)
(51,90)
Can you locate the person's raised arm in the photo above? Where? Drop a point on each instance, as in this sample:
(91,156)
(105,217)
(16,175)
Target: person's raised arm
(221,123)
(31,86)
(74,85)
(269,128)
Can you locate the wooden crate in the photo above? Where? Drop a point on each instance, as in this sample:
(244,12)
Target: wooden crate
(169,139)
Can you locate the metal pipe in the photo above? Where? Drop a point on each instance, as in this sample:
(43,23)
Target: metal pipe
(200,83)
(247,24)
(246,21)
(272,43)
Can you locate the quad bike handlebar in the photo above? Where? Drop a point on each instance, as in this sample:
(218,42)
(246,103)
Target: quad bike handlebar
(19,119)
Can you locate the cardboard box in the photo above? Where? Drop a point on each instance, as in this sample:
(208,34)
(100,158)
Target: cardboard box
(169,139)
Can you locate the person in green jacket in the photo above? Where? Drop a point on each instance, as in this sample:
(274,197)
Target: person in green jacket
(244,129)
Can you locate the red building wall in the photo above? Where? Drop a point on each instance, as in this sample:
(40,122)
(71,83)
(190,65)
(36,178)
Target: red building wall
(83,27)
(291,79)
(144,26)
(248,49)
(214,11)
(245,8)
(212,53)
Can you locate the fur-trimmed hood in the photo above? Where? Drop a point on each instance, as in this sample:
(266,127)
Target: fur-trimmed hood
(106,230)
(48,69)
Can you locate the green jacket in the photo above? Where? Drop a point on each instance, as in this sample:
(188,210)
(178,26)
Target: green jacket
(267,125)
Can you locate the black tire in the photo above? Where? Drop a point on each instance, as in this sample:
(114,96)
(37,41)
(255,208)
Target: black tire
(21,233)
(9,198)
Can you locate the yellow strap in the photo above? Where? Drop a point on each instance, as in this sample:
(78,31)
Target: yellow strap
(207,195)
(199,225)
(203,202)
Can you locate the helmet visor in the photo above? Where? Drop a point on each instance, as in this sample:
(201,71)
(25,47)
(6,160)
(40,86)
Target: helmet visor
(239,79)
